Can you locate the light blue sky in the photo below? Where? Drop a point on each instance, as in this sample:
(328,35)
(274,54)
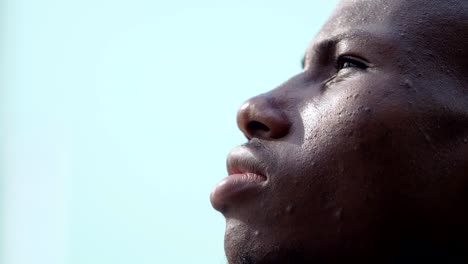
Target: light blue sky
(117,117)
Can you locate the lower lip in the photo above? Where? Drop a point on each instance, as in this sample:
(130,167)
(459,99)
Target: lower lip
(235,188)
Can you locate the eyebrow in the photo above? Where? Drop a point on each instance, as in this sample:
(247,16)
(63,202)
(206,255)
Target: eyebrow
(322,49)
(325,46)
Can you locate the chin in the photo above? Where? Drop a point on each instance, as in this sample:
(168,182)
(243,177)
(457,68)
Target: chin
(245,244)
(244,254)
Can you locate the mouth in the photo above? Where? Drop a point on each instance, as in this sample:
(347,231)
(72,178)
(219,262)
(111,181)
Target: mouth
(246,178)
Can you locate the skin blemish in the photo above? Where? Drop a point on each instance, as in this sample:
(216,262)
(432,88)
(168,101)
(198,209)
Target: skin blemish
(339,214)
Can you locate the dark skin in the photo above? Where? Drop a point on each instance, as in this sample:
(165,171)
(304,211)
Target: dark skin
(364,154)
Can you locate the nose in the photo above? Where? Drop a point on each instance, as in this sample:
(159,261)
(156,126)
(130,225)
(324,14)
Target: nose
(261,117)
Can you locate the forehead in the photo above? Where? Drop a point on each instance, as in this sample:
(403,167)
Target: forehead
(352,14)
(425,26)
(397,15)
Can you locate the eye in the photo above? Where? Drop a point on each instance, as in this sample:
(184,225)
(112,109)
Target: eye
(350,62)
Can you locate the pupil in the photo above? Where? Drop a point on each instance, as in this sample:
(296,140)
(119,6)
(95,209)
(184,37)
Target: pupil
(348,64)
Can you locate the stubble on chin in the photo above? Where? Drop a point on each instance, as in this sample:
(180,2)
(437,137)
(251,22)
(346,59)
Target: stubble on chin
(293,255)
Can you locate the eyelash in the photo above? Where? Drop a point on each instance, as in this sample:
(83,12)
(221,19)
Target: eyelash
(344,62)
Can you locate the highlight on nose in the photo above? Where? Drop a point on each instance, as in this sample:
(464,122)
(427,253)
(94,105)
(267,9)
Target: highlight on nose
(259,117)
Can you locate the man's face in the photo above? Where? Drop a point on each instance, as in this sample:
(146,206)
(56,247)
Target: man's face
(364,149)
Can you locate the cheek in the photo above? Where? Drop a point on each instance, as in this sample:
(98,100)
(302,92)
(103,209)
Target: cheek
(356,112)
(352,135)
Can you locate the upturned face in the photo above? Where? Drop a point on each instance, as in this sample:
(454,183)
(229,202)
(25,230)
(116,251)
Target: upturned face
(362,153)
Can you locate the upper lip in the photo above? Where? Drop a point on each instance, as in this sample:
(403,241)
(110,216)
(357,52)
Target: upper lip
(242,160)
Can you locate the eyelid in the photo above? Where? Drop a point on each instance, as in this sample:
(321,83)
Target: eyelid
(357,59)
(360,62)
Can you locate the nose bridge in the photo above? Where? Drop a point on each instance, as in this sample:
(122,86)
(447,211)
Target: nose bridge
(263,116)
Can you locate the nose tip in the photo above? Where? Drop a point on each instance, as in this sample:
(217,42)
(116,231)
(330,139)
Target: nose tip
(260,117)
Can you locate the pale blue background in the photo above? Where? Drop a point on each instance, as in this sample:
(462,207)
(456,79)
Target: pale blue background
(117,117)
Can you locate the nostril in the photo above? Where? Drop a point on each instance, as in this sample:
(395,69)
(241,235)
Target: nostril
(263,117)
(257,126)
